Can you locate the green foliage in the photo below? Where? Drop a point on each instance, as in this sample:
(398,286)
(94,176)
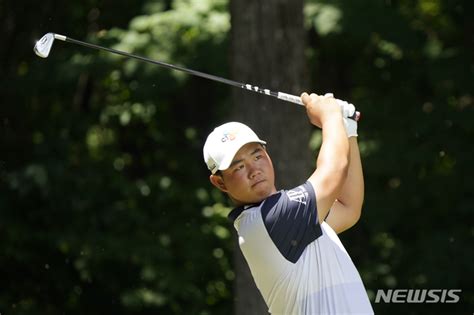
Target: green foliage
(105,204)
(407,65)
(109,201)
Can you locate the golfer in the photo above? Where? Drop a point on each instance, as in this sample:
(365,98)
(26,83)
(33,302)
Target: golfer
(289,237)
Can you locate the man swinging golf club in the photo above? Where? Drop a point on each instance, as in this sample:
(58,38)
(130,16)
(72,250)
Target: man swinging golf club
(289,237)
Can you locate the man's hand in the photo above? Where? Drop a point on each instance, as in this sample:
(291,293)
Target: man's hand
(318,107)
(348,110)
(321,108)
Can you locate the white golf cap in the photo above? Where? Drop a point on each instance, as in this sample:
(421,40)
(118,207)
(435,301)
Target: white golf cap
(223,143)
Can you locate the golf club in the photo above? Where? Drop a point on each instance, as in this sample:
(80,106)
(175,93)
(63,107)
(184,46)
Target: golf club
(43,48)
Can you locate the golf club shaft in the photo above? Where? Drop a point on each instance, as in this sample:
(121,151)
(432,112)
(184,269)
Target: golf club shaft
(280,95)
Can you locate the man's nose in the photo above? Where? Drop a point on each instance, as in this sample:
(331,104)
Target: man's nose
(254,171)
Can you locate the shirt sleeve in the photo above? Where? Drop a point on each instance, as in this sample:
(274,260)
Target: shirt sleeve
(291,220)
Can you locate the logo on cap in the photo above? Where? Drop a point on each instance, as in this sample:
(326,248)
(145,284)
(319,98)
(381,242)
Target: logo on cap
(229,136)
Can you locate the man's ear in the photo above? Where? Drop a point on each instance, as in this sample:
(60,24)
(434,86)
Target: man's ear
(218,182)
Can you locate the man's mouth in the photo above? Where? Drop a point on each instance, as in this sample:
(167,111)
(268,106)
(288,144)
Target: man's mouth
(258,182)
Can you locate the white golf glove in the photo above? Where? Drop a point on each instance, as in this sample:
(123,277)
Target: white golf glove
(348,110)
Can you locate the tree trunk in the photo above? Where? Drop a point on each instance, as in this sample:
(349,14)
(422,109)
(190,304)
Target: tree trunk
(268,42)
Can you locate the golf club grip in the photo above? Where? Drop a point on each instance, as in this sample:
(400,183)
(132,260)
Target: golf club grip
(297,100)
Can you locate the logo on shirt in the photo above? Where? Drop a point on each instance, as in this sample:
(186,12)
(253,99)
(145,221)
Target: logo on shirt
(300,196)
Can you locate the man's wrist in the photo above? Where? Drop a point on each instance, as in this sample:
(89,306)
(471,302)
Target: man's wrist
(329,117)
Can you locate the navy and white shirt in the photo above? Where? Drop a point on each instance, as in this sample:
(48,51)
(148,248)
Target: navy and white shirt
(299,265)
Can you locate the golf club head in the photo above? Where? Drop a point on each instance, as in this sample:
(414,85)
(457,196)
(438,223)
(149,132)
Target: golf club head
(43,46)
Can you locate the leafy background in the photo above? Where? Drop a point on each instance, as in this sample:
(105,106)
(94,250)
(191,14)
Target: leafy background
(105,204)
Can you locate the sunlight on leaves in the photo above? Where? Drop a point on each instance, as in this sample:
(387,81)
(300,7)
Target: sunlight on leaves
(218,209)
(429,7)
(98,137)
(324,17)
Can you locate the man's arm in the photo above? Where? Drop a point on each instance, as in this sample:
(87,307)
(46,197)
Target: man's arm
(332,162)
(346,210)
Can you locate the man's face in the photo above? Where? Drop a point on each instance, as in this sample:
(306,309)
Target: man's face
(250,177)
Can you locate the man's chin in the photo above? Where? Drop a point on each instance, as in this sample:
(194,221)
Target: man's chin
(263,190)
(260,192)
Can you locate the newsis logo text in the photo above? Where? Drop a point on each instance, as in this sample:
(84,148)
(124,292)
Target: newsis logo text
(418,296)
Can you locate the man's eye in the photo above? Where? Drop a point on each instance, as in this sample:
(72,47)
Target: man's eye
(239,167)
(258,157)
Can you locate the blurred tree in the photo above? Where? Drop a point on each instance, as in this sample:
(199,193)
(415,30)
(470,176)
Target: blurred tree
(105,200)
(268,43)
